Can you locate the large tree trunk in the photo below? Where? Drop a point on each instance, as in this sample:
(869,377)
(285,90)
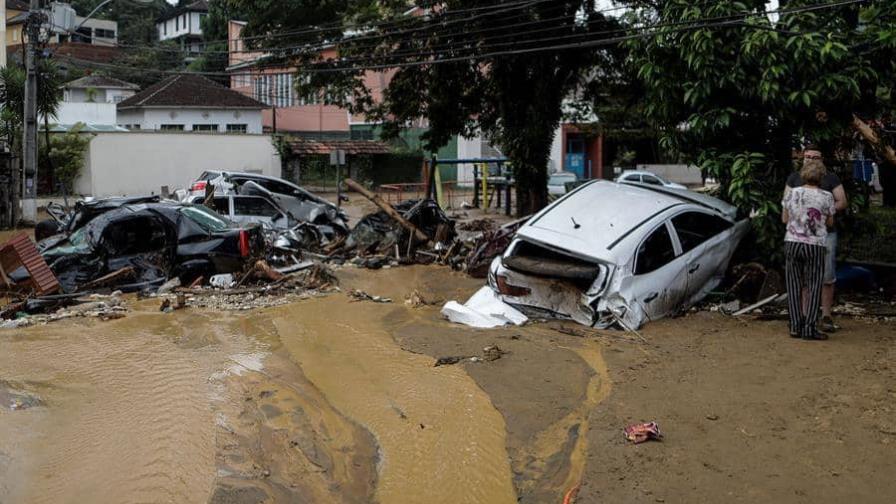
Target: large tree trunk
(531,187)
(884,151)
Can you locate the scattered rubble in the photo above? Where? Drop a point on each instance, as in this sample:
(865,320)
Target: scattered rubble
(489,354)
(359,295)
(103,307)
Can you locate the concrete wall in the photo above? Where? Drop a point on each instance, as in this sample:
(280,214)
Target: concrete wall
(152,119)
(681,174)
(138,163)
(88,113)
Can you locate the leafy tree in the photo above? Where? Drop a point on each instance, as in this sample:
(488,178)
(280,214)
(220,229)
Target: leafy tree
(214,57)
(67,155)
(12,95)
(147,65)
(514,99)
(136,20)
(737,94)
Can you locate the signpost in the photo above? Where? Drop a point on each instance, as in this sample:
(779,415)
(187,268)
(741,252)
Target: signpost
(337,159)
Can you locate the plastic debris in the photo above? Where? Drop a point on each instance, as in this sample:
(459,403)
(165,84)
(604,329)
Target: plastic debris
(224,281)
(483,310)
(639,433)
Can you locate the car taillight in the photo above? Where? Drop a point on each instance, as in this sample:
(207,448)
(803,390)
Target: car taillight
(199,185)
(511,290)
(244,243)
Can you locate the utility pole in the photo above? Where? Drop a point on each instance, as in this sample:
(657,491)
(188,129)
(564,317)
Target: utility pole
(29,140)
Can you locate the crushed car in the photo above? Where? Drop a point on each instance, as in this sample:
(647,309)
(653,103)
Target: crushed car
(618,254)
(294,205)
(64,222)
(151,242)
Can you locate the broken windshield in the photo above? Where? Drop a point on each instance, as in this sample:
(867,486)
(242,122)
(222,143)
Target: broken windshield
(206,219)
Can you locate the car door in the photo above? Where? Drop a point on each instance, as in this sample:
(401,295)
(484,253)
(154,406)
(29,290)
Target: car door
(658,283)
(706,243)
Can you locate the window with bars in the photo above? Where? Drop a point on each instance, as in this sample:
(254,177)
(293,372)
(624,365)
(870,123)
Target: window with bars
(205,127)
(171,127)
(237,128)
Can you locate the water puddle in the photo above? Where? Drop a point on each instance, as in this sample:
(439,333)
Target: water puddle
(439,436)
(127,416)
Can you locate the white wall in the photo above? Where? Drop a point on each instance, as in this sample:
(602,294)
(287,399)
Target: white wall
(183,24)
(152,118)
(140,163)
(88,113)
(3,34)
(556,162)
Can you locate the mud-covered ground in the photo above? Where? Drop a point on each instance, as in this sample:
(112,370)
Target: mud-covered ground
(331,400)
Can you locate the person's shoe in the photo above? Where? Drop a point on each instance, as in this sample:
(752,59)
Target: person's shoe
(794,334)
(816,336)
(827,325)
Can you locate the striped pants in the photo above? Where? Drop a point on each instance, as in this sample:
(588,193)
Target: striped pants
(805,270)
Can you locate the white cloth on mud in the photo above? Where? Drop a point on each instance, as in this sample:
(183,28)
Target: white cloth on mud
(483,310)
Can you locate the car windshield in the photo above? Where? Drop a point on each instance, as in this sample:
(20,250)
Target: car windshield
(75,244)
(208,220)
(561,179)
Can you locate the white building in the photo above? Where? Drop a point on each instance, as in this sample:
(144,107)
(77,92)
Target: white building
(92,100)
(97,89)
(189,102)
(184,24)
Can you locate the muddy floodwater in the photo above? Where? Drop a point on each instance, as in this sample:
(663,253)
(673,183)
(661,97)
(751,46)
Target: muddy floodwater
(331,400)
(313,401)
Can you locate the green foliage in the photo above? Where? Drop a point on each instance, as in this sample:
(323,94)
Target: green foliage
(513,100)
(136,20)
(737,98)
(12,95)
(135,65)
(66,153)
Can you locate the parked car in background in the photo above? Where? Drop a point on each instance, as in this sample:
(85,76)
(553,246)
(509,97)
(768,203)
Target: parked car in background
(557,182)
(623,254)
(644,177)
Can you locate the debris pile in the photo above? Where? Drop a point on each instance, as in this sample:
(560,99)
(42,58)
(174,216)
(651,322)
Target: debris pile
(210,249)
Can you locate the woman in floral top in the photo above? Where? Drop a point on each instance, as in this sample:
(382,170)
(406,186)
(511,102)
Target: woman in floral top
(808,212)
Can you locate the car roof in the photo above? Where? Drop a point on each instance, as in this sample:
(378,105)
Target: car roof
(595,218)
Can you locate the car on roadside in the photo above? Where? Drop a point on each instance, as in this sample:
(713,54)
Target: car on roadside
(158,240)
(645,177)
(618,254)
(557,182)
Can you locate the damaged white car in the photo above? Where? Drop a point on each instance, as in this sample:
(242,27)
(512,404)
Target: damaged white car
(624,254)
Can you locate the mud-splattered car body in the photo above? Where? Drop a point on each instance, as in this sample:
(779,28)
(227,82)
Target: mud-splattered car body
(157,240)
(624,254)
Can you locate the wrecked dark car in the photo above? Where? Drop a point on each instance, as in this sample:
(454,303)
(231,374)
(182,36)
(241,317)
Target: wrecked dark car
(152,242)
(65,222)
(618,254)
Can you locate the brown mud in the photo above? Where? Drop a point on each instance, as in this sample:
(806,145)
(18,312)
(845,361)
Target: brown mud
(332,400)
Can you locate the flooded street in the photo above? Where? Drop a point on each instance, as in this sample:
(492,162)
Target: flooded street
(331,400)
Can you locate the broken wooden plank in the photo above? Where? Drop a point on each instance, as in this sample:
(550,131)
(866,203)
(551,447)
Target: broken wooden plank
(390,211)
(760,304)
(105,280)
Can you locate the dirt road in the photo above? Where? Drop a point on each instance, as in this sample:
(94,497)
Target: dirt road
(331,400)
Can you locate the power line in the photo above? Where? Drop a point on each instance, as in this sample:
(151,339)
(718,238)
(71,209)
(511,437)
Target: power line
(730,20)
